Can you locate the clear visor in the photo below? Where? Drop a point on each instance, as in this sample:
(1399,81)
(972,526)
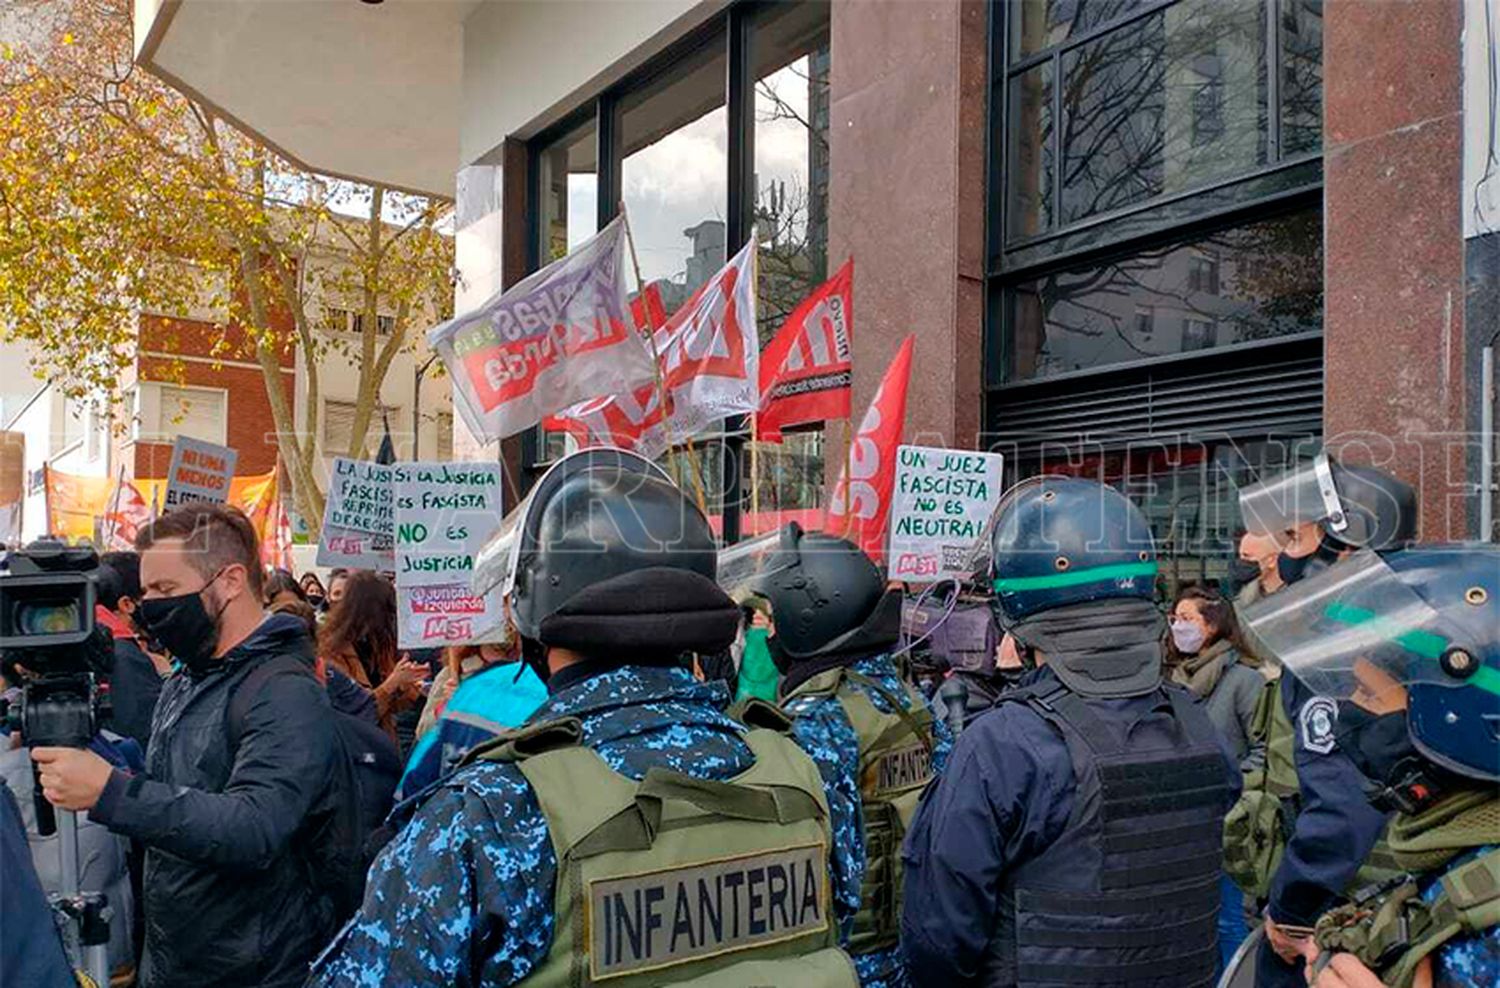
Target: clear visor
(496,563)
(1354,630)
(1303,494)
(741,562)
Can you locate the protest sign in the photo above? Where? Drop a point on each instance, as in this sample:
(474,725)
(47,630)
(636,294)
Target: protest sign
(199,471)
(358,516)
(445,512)
(939,507)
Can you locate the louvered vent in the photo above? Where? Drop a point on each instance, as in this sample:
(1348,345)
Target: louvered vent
(1274,390)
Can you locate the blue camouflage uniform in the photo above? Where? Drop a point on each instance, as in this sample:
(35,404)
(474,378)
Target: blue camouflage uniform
(822,729)
(1464,962)
(1006,796)
(465,892)
(1334,832)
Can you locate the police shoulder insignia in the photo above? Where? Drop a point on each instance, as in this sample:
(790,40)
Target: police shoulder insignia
(1319,716)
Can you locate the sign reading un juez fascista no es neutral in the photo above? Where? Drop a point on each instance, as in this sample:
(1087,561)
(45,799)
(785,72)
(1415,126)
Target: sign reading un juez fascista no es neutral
(941,501)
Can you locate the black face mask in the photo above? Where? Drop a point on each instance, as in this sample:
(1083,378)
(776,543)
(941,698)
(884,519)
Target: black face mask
(316,600)
(183,626)
(1375,743)
(1292,569)
(1242,573)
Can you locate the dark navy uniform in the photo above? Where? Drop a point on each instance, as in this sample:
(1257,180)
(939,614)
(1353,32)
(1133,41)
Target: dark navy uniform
(1009,794)
(465,892)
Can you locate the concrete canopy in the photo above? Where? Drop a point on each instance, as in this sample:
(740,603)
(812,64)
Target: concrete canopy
(367,91)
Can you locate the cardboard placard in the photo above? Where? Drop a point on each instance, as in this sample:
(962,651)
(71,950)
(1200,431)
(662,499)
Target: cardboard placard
(445,512)
(359,516)
(941,501)
(200,471)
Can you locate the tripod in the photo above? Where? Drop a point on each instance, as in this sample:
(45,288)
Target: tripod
(86,932)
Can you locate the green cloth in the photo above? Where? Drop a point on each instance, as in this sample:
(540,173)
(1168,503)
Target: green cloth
(758,675)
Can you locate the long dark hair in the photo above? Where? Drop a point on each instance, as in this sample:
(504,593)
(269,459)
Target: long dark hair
(282,581)
(363,623)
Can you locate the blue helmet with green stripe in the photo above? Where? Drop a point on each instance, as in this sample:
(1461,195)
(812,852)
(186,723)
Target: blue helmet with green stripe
(1418,627)
(1057,541)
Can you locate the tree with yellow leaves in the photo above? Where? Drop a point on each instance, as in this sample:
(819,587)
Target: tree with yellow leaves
(120,195)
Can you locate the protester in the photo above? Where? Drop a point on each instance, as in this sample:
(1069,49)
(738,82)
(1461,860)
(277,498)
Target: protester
(230,813)
(481,691)
(1252,573)
(358,639)
(136,677)
(1204,655)
(282,588)
(756,674)
(31,950)
(336,581)
(312,590)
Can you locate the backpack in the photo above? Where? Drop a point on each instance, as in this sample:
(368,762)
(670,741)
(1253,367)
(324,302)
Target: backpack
(340,849)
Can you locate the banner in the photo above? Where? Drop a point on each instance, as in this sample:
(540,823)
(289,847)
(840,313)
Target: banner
(75,505)
(860,507)
(12,485)
(558,337)
(805,371)
(709,360)
(941,501)
(445,512)
(200,471)
(126,514)
(358,516)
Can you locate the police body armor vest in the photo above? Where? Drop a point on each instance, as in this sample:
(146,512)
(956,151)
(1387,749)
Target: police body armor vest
(683,881)
(895,764)
(1259,825)
(1128,894)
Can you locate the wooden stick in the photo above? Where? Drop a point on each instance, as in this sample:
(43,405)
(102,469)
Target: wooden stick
(754,466)
(847,477)
(650,331)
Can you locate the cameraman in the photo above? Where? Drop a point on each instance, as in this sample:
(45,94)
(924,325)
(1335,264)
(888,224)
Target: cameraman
(229,895)
(135,679)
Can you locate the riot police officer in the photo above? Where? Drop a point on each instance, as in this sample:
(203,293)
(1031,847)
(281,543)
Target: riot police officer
(1319,512)
(632,832)
(1075,835)
(872,735)
(1407,646)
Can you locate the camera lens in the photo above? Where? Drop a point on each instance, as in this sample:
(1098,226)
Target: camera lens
(47,617)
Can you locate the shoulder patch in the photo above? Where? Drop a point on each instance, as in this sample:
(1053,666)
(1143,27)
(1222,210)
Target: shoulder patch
(1319,717)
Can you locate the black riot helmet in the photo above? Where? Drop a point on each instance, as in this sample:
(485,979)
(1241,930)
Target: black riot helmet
(826,596)
(606,556)
(1357,507)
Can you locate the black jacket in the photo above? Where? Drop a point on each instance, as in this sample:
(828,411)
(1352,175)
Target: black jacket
(228,897)
(134,686)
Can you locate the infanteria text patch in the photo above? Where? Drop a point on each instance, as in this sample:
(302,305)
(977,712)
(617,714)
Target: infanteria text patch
(897,770)
(643,922)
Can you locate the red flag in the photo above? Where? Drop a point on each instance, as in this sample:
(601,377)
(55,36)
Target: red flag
(805,371)
(861,506)
(647,309)
(127,514)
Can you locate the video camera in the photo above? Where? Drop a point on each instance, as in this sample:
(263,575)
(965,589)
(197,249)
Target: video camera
(50,645)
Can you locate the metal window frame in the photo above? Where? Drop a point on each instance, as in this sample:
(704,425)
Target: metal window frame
(734,28)
(1001,275)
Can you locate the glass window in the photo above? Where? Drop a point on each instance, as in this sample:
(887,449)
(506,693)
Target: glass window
(169,411)
(444,435)
(1162,104)
(1041,24)
(1031,176)
(1301,76)
(674,174)
(338,427)
(791,53)
(568,182)
(1265,280)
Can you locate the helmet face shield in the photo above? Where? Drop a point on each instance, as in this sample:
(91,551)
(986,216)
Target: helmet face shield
(740,563)
(1357,631)
(1306,493)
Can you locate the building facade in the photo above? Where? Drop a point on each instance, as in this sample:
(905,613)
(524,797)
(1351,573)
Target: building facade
(1171,244)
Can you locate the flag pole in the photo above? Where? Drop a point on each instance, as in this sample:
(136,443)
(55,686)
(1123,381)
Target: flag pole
(640,293)
(114,508)
(848,469)
(754,467)
(760,398)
